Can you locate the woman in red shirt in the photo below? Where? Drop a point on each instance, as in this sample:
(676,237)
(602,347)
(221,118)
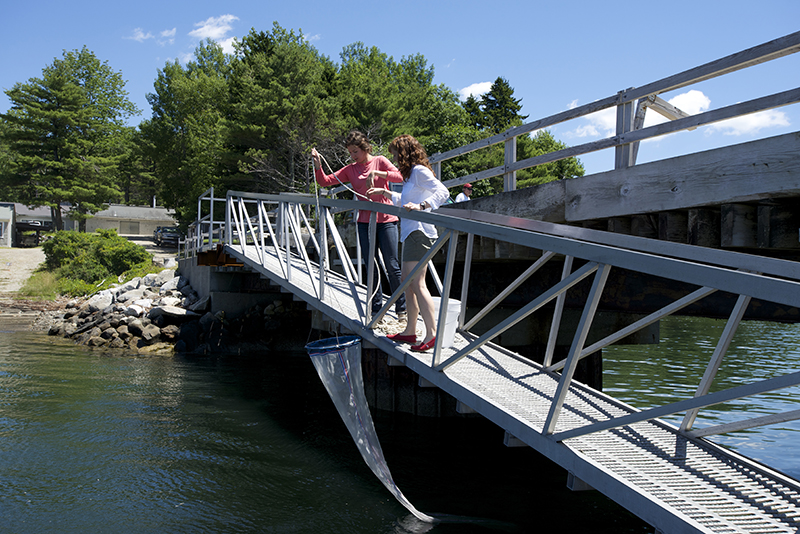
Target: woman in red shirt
(357,174)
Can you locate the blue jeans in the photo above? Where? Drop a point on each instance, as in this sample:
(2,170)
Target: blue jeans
(388,238)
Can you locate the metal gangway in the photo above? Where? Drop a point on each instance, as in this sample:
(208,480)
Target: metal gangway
(672,477)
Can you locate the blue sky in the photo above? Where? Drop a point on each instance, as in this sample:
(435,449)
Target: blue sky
(555,55)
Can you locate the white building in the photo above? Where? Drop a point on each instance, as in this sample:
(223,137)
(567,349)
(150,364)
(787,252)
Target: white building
(130,220)
(6,223)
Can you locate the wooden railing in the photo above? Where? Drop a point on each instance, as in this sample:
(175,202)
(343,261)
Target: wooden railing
(631,107)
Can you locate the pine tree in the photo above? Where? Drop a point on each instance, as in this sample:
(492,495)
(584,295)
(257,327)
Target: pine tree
(62,136)
(500,108)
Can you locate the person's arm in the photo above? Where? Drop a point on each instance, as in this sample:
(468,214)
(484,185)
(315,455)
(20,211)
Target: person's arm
(437,193)
(387,171)
(326,179)
(388,193)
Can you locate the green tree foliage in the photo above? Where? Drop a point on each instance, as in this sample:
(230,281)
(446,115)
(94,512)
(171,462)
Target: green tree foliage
(365,78)
(544,143)
(185,138)
(136,170)
(282,104)
(249,121)
(500,108)
(63,136)
(419,107)
(495,112)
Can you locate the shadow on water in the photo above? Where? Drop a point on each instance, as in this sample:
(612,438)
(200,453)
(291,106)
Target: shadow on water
(107,442)
(456,470)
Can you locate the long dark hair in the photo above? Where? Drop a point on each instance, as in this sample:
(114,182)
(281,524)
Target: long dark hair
(356,138)
(408,152)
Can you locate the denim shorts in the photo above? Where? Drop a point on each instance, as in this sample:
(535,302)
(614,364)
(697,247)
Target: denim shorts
(416,245)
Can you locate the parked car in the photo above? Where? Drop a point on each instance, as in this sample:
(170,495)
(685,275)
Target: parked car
(168,236)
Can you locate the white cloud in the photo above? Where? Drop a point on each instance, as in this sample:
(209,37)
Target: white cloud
(139,35)
(599,124)
(167,37)
(227,45)
(604,123)
(750,124)
(692,102)
(476,89)
(312,38)
(215,28)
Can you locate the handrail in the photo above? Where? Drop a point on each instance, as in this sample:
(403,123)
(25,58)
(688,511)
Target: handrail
(627,133)
(602,252)
(599,253)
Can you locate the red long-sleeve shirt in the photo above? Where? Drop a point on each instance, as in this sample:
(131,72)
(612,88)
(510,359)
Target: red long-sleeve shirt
(356,174)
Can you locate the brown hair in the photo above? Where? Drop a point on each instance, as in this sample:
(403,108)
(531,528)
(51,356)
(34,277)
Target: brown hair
(408,152)
(358,139)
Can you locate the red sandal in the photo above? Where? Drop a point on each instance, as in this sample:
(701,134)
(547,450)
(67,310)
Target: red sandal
(400,338)
(422,347)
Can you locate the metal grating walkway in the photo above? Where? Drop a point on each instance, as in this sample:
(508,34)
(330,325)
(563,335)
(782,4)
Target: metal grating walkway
(676,483)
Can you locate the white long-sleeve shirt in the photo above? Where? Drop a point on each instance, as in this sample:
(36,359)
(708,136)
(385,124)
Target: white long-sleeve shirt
(421,186)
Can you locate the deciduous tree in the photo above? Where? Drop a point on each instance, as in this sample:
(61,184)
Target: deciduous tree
(185,138)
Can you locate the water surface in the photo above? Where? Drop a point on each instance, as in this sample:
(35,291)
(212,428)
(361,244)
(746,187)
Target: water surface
(94,441)
(653,375)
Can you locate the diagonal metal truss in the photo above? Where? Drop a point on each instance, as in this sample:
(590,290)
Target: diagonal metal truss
(615,448)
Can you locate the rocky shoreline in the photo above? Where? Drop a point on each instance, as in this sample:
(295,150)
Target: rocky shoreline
(162,314)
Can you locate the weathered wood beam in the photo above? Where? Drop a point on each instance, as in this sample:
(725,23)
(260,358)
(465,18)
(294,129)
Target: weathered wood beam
(704,227)
(673,226)
(778,225)
(739,225)
(757,170)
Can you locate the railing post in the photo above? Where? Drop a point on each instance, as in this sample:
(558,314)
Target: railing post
(623,157)
(510,157)
(557,314)
(465,280)
(716,359)
(211,225)
(323,251)
(228,230)
(445,296)
(369,263)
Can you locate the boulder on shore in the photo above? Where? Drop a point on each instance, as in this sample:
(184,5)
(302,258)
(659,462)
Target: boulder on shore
(161,314)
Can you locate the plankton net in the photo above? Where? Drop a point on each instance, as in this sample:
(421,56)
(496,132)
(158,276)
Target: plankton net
(338,363)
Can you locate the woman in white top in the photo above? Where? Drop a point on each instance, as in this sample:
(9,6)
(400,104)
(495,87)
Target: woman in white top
(421,191)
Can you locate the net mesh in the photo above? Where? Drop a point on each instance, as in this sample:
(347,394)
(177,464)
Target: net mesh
(338,363)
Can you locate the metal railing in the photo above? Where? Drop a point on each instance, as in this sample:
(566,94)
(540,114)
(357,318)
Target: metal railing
(303,251)
(278,225)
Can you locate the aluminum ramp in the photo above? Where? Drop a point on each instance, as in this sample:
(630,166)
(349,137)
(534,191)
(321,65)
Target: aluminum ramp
(676,483)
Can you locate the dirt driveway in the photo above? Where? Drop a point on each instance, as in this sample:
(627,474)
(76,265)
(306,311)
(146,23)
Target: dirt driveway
(16,266)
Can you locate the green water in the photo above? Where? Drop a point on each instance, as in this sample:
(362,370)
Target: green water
(653,375)
(110,442)
(95,442)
